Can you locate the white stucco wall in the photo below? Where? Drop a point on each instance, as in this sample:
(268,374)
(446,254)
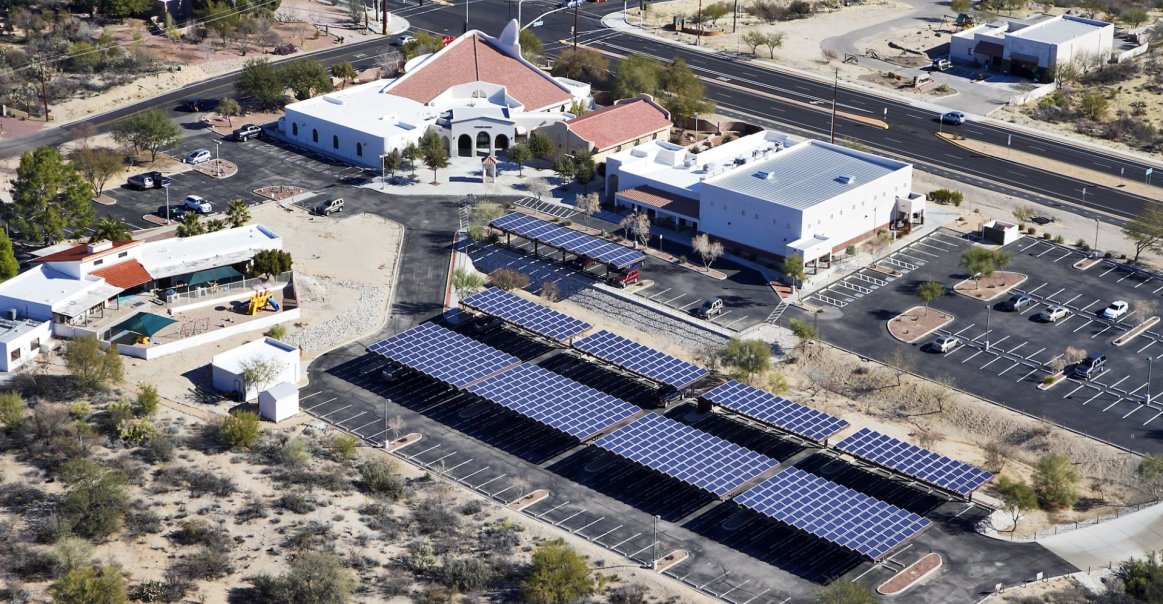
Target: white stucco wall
(1098,44)
(26,346)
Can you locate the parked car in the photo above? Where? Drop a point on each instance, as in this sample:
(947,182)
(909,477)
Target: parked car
(198,156)
(148,180)
(709,308)
(196,203)
(623,279)
(392,373)
(329,207)
(404,39)
(945,344)
(193,105)
(941,64)
(1089,368)
(582,263)
(487,324)
(1053,312)
(1017,302)
(176,212)
(1116,309)
(247,132)
(953,117)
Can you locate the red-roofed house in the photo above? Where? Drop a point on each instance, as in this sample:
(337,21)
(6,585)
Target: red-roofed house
(625,124)
(478,93)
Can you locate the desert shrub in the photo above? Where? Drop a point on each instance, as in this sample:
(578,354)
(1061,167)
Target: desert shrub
(501,539)
(433,517)
(317,577)
(379,477)
(629,594)
(142,520)
(253,509)
(202,482)
(28,563)
(200,532)
(136,431)
(70,553)
(240,430)
(1112,73)
(158,449)
(19,496)
(205,563)
(314,536)
(344,446)
(472,507)
(80,410)
(298,502)
(148,399)
(947,197)
(378,516)
(91,585)
(277,332)
(295,453)
(11,410)
(464,574)
(95,502)
(509,279)
(557,575)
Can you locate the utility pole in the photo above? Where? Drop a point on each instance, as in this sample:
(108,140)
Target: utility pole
(835,86)
(654,546)
(465,16)
(735,17)
(43,75)
(699,36)
(384,30)
(576,4)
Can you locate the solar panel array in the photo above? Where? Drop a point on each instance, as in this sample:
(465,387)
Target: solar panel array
(911,460)
(618,256)
(525,313)
(831,512)
(776,411)
(692,456)
(443,354)
(553,400)
(643,360)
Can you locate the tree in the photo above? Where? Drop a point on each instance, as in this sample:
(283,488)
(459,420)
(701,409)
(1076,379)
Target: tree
(220,19)
(983,261)
(558,575)
(960,6)
(1146,231)
(707,249)
(773,41)
(110,229)
(793,266)
(747,356)
(583,64)
(11,410)
(356,12)
(91,585)
(755,39)
(344,71)
(9,266)
(563,167)
(1024,213)
(191,225)
(509,279)
(1149,472)
(466,281)
(97,165)
(120,9)
(434,157)
(714,12)
(802,329)
(842,591)
(636,226)
(946,197)
(520,154)
(1094,105)
(392,161)
(584,170)
(539,187)
(240,430)
(1056,481)
(305,78)
(229,108)
(1134,16)
(263,83)
(637,74)
(237,212)
(95,501)
(313,578)
(271,262)
(531,46)
(49,197)
(410,153)
(539,145)
(149,130)
(1142,578)
(258,373)
(929,291)
(485,212)
(1017,498)
(587,204)
(92,368)
(148,399)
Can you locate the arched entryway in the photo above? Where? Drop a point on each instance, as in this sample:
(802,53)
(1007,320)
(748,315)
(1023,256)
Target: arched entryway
(483,142)
(464,146)
(502,142)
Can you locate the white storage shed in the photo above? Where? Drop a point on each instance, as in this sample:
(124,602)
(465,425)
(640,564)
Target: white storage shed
(279,402)
(228,367)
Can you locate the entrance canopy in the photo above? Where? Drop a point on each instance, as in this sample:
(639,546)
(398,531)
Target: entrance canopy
(143,323)
(210,275)
(811,248)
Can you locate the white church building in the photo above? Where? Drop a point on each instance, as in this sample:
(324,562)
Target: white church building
(477,93)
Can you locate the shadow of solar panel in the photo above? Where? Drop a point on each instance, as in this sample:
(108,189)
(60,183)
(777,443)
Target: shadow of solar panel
(640,359)
(443,354)
(553,400)
(618,256)
(910,460)
(775,411)
(833,513)
(525,313)
(692,456)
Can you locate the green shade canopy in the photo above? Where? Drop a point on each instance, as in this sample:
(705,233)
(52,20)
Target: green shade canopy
(143,323)
(210,275)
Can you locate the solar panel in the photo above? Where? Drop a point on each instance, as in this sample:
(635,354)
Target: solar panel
(554,400)
(443,354)
(618,256)
(692,456)
(640,359)
(831,512)
(911,460)
(776,411)
(525,313)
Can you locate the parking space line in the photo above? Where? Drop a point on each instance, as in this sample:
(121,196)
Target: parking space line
(1064,256)
(1067,303)
(1071,393)
(1153,418)
(1092,304)
(1149,344)
(964,328)
(939,249)
(1051,296)
(1031,292)
(1011,351)
(1125,276)
(990,362)
(1003,372)
(1048,250)
(998,343)
(655,296)
(1132,393)
(1104,329)
(1028,246)
(1088,322)
(1096,395)
(913,249)
(1063,320)
(1034,353)
(1136,408)
(678,297)
(1149,279)
(324,416)
(321,404)
(1113,386)
(1157,289)
(1032,372)
(1107,408)
(971,356)
(1109,270)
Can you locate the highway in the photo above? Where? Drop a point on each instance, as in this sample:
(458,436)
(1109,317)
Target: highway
(745,90)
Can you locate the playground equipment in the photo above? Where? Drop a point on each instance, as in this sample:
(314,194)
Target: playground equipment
(261,300)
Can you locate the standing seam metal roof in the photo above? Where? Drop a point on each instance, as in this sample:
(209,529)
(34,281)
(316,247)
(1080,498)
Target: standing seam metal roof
(1057,31)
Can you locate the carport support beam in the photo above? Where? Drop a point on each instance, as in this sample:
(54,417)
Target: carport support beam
(987,309)
(1150,366)
(654,546)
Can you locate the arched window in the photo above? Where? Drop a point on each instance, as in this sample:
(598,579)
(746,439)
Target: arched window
(314,135)
(294,129)
(334,141)
(359,149)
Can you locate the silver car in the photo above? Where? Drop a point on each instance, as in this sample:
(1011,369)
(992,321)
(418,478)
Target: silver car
(198,156)
(1052,314)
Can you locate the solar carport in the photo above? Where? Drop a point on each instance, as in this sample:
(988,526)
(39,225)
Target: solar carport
(567,240)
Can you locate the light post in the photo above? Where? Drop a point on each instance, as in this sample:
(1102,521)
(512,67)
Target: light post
(1150,366)
(987,309)
(383,172)
(217,160)
(166,186)
(654,546)
(660,242)
(465,16)
(1083,195)
(1096,234)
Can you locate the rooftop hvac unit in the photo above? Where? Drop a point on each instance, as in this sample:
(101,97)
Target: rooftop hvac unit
(739,161)
(846,179)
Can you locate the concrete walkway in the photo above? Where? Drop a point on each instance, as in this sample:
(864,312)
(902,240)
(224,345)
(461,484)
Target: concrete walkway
(1134,535)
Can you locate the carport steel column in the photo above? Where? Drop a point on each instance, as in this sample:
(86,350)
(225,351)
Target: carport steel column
(987,309)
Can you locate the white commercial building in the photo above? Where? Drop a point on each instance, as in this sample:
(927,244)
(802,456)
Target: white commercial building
(228,367)
(763,194)
(477,93)
(1038,49)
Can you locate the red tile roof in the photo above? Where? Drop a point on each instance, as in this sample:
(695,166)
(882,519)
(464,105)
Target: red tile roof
(473,59)
(662,200)
(124,275)
(619,123)
(81,252)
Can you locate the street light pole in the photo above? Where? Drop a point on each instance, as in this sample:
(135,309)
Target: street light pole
(654,546)
(1096,234)
(576,4)
(987,309)
(835,85)
(465,16)
(1150,366)
(217,160)
(167,188)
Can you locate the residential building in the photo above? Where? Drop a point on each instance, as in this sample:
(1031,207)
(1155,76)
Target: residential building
(627,123)
(1036,50)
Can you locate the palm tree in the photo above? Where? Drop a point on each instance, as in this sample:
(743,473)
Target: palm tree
(110,229)
(237,213)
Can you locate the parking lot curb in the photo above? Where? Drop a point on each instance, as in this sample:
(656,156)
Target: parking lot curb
(1134,332)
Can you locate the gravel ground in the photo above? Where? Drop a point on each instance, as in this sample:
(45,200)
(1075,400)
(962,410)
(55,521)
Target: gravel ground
(680,333)
(344,327)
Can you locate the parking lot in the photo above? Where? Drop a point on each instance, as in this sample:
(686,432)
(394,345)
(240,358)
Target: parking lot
(1004,355)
